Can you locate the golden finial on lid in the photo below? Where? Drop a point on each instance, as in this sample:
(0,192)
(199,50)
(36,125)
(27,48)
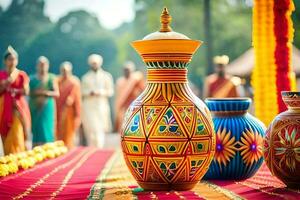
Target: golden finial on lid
(165,20)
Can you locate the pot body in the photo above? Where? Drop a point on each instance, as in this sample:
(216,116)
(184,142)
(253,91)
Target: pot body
(239,138)
(282,142)
(167,136)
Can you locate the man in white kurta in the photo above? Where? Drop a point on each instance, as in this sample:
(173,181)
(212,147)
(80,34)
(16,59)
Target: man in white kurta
(96,87)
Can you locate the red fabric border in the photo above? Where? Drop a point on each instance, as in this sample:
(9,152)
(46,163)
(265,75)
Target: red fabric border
(78,186)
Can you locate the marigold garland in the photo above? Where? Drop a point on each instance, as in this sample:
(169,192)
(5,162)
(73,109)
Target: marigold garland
(264,73)
(12,163)
(272,37)
(284,32)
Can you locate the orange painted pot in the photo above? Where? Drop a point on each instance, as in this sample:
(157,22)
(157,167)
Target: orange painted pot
(167,136)
(282,142)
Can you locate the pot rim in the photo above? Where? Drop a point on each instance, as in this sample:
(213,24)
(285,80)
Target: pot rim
(285,93)
(237,99)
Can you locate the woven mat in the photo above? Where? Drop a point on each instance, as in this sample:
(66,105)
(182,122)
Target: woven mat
(116,182)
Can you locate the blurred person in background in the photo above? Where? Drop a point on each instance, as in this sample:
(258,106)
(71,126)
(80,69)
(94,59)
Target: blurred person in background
(128,87)
(96,87)
(43,90)
(68,105)
(14,110)
(220,84)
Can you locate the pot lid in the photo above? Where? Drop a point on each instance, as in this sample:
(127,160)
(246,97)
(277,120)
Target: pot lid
(166,45)
(165,31)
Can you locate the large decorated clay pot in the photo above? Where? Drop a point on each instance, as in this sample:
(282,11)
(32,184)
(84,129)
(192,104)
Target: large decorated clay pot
(239,139)
(282,142)
(167,136)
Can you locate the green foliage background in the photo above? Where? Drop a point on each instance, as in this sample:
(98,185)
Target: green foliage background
(79,33)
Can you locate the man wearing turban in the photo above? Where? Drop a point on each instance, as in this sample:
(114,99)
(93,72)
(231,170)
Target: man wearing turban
(220,84)
(96,87)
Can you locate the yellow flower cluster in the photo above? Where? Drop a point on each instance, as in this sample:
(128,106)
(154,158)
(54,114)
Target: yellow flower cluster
(12,163)
(264,73)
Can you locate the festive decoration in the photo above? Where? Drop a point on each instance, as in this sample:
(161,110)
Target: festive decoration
(116,182)
(239,138)
(284,33)
(264,73)
(272,36)
(167,136)
(69,176)
(12,163)
(282,144)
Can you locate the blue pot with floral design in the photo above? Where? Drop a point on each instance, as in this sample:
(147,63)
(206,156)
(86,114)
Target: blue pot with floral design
(239,139)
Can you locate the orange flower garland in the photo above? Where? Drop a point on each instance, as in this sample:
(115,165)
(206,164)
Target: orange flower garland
(272,37)
(264,73)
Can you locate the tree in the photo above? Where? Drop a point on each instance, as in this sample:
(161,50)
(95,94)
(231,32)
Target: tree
(296,21)
(207,24)
(73,38)
(21,23)
(188,18)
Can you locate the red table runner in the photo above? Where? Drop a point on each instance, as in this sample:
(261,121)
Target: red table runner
(115,182)
(99,174)
(67,177)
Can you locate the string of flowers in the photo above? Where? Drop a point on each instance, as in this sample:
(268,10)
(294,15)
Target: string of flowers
(272,42)
(12,163)
(264,73)
(284,32)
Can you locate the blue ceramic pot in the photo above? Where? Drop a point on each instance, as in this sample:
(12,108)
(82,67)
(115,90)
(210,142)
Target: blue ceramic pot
(239,139)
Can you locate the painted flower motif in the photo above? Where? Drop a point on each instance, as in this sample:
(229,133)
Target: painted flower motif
(288,148)
(139,166)
(225,147)
(168,169)
(251,146)
(169,123)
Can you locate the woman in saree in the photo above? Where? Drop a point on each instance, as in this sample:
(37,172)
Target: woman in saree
(128,88)
(68,105)
(14,110)
(43,90)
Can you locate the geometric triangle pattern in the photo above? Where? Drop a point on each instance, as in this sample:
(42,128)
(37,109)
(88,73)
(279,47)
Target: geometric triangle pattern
(150,115)
(134,127)
(196,165)
(153,174)
(200,128)
(183,175)
(166,140)
(168,148)
(200,146)
(169,167)
(138,164)
(130,112)
(134,147)
(168,127)
(186,114)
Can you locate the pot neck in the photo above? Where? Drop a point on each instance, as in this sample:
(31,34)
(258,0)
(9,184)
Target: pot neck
(228,107)
(167,75)
(291,100)
(167,72)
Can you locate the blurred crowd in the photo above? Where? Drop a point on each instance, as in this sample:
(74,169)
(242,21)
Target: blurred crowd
(46,107)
